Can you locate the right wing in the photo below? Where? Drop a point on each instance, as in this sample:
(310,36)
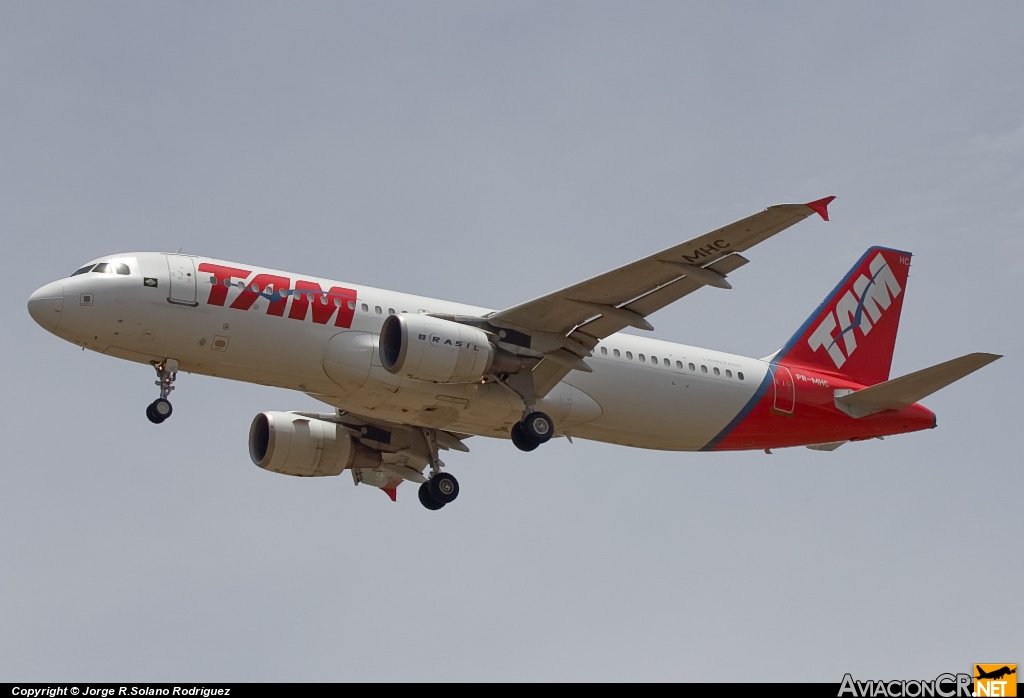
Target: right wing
(405,450)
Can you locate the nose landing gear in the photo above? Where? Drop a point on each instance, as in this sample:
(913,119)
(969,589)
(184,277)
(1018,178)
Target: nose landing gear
(160,409)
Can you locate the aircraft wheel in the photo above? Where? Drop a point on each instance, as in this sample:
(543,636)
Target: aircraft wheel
(538,427)
(158,410)
(444,488)
(521,440)
(427,499)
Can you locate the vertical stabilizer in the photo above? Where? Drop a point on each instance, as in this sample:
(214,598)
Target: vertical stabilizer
(853,332)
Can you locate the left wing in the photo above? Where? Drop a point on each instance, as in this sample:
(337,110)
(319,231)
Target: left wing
(563,327)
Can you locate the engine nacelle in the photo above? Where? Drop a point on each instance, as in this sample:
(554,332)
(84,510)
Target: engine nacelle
(291,444)
(440,351)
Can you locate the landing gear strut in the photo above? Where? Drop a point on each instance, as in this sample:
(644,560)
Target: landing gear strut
(535,429)
(160,409)
(441,488)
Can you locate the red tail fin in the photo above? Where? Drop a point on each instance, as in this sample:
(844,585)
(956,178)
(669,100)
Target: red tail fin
(853,333)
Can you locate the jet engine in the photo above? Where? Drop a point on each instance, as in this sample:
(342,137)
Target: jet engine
(427,348)
(291,444)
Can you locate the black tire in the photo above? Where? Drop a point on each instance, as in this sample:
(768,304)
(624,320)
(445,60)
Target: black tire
(152,416)
(521,440)
(427,499)
(444,488)
(538,427)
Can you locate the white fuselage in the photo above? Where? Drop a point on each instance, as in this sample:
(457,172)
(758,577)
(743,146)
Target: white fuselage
(642,392)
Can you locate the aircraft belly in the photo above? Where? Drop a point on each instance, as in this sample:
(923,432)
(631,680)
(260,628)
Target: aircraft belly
(474,408)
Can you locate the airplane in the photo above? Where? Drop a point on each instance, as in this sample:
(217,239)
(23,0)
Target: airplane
(995,674)
(409,377)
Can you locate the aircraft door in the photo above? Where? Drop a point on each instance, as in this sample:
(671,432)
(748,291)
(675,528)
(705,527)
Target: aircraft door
(785,389)
(182,270)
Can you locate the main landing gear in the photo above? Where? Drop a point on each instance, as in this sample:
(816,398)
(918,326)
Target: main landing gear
(160,409)
(438,491)
(535,429)
(441,488)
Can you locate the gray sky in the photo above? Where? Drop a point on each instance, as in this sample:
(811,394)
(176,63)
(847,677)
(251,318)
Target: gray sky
(489,153)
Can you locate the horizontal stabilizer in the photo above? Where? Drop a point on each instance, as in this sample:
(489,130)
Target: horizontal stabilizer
(906,390)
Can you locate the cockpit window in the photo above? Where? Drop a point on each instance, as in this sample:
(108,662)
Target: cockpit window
(105,268)
(111,268)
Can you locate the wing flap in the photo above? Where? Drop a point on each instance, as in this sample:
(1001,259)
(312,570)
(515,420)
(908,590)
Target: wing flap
(906,390)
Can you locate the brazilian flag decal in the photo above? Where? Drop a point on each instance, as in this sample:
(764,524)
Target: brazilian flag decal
(149,281)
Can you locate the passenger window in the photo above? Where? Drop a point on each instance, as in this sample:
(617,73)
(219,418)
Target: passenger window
(122,269)
(391,311)
(337,302)
(739,374)
(255,288)
(101,268)
(351,305)
(728,373)
(87,268)
(679,365)
(323,300)
(629,355)
(616,353)
(641,356)
(669,363)
(717,372)
(692,367)
(377,309)
(604,351)
(654,359)
(703,368)
(365,307)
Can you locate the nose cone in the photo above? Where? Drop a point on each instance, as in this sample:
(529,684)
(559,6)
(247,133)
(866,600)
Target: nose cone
(46,304)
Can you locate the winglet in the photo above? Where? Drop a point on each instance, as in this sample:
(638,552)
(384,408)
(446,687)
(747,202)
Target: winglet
(391,492)
(821,206)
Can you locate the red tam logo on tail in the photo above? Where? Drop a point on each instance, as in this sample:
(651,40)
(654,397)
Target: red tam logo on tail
(854,330)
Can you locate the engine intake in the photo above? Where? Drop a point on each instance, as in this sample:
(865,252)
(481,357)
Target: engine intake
(440,351)
(291,444)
